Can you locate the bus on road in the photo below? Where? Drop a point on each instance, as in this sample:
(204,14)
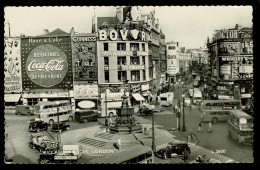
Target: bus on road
(47,111)
(217,110)
(130,155)
(240,127)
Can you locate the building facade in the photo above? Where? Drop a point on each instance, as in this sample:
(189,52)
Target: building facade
(231,65)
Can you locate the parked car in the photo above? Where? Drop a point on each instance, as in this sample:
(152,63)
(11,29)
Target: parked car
(187,102)
(143,111)
(23,110)
(174,149)
(62,127)
(43,144)
(84,116)
(37,126)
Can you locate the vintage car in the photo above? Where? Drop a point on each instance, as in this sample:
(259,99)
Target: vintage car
(23,110)
(84,116)
(174,149)
(62,127)
(37,126)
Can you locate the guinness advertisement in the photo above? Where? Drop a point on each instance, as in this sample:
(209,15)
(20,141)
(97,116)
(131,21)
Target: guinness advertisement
(46,62)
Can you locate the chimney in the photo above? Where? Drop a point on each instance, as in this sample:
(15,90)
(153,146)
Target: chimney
(72,31)
(119,13)
(46,31)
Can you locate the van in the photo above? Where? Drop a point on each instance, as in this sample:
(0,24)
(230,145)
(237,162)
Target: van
(166,99)
(84,116)
(23,110)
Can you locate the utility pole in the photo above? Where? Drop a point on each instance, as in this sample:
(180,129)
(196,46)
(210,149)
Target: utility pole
(153,138)
(58,137)
(183,125)
(106,121)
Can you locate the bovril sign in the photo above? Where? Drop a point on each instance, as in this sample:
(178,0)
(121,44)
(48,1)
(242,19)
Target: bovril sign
(113,35)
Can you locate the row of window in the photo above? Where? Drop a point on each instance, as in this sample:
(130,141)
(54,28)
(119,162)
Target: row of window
(122,76)
(56,114)
(121,60)
(122,47)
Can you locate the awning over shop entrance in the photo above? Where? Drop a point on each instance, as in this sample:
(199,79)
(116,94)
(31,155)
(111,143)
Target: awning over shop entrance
(138,97)
(12,97)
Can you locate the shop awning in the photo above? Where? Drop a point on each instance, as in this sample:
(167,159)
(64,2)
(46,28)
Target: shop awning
(12,97)
(138,97)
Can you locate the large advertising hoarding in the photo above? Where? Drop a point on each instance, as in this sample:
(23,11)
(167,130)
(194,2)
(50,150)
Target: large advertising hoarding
(46,62)
(12,65)
(84,90)
(172,64)
(84,58)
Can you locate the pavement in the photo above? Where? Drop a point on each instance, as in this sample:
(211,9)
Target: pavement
(96,141)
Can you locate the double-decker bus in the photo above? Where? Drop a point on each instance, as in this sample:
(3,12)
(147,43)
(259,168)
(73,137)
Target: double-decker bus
(240,127)
(47,111)
(217,110)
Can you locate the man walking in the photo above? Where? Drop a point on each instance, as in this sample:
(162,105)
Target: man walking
(210,126)
(200,128)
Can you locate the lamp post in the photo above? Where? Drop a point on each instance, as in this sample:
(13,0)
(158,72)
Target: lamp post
(106,121)
(153,138)
(58,135)
(183,124)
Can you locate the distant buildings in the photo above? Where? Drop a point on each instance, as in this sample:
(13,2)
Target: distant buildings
(230,72)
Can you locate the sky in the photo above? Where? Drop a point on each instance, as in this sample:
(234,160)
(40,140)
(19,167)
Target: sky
(188,25)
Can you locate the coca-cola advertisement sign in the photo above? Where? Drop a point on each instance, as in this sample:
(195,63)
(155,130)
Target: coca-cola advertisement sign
(46,65)
(46,62)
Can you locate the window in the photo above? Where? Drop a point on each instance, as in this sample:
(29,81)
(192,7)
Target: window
(150,72)
(89,48)
(107,76)
(144,76)
(134,46)
(106,61)
(121,76)
(135,60)
(171,48)
(121,46)
(135,75)
(105,46)
(121,60)
(143,60)
(143,47)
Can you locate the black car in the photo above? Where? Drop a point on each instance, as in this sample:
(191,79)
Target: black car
(62,127)
(174,148)
(37,126)
(84,116)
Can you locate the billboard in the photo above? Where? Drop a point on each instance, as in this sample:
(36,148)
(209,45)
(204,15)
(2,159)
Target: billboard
(229,48)
(46,62)
(12,65)
(84,58)
(84,90)
(172,65)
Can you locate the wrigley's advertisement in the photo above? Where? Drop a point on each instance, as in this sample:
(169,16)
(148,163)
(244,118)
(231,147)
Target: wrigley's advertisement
(47,62)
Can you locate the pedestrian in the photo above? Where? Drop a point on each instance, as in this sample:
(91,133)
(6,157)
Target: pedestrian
(119,143)
(200,128)
(189,137)
(201,117)
(210,126)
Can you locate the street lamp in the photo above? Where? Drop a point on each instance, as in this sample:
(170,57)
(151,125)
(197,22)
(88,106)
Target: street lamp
(106,121)
(153,138)
(58,135)
(183,124)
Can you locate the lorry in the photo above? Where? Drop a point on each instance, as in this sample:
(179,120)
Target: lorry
(68,154)
(166,99)
(197,96)
(42,143)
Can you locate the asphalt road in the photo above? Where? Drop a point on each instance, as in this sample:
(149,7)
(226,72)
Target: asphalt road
(217,141)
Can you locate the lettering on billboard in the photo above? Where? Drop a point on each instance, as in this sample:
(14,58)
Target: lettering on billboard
(12,65)
(172,66)
(228,48)
(46,65)
(46,62)
(117,53)
(226,34)
(246,47)
(86,104)
(125,34)
(84,58)
(85,90)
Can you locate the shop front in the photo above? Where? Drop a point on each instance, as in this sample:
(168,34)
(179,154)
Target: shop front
(85,96)
(11,100)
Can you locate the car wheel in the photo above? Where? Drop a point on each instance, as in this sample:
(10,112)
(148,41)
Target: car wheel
(51,122)
(31,146)
(214,120)
(85,120)
(70,118)
(68,128)
(40,149)
(164,155)
(38,130)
